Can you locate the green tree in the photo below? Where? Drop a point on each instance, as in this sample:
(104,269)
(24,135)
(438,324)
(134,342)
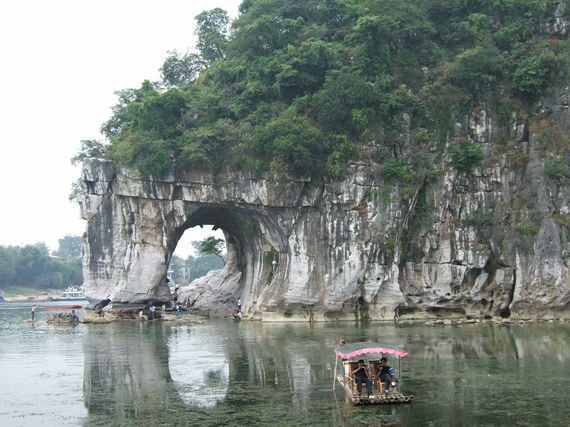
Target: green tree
(160,113)
(212,33)
(477,69)
(89,148)
(129,102)
(207,145)
(179,69)
(69,247)
(31,266)
(8,263)
(345,96)
(292,143)
(200,266)
(145,151)
(212,246)
(33,260)
(530,77)
(557,169)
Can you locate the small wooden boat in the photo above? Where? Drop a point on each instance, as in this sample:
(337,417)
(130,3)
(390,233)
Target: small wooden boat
(61,307)
(349,354)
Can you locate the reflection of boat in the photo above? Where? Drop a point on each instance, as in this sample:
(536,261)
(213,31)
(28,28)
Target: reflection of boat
(71,294)
(349,354)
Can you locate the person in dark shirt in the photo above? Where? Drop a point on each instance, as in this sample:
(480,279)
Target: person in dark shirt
(386,374)
(361,375)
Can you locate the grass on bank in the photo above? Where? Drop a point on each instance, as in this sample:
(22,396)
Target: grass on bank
(22,293)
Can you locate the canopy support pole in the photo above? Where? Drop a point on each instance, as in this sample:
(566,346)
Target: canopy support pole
(334,373)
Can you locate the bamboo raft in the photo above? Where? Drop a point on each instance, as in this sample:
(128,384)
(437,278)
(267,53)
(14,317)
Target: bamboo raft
(348,355)
(62,318)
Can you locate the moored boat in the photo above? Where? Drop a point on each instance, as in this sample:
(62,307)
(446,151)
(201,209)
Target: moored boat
(350,354)
(70,294)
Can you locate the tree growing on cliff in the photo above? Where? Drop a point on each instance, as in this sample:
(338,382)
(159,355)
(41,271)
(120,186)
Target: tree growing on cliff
(212,33)
(179,69)
(89,148)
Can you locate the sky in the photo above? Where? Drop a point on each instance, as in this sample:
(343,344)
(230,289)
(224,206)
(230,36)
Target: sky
(62,62)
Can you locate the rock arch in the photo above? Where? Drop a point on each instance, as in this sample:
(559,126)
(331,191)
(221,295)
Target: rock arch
(337,246)
(135,224)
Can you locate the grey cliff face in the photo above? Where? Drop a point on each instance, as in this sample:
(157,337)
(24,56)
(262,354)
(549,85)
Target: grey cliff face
(489,242)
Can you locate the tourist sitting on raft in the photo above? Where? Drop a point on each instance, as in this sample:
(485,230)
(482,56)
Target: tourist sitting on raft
(361,375)
(386,374)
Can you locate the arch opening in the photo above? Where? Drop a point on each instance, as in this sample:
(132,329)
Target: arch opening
(188,263)
(249,237)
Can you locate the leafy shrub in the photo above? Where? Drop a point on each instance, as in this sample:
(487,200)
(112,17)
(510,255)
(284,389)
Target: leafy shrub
(530,77)
(336,161)
(89,148)
(557,168)
(395,172)
(479,219)
(145,151)
(344,92)
(207,145)
(466,156)
(292,144)
(528,229)
(477,69)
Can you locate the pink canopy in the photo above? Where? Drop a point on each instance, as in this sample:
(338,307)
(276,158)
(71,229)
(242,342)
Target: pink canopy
(350,351)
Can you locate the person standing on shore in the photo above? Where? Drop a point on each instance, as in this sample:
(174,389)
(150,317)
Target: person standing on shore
(34,307)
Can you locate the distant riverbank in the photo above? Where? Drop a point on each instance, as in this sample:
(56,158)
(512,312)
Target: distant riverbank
(28,294)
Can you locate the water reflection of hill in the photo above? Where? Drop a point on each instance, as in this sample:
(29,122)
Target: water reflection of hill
(512,342)
(254,373)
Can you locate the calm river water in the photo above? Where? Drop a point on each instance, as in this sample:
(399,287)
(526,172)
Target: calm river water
(224,373)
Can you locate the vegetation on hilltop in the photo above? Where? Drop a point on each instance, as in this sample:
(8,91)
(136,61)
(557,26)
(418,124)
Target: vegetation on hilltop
(299,87)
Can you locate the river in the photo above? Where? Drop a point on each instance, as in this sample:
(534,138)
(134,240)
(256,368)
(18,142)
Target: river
(227,373)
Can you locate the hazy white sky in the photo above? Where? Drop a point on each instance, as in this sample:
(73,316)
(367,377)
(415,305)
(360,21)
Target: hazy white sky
(62,61)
